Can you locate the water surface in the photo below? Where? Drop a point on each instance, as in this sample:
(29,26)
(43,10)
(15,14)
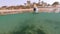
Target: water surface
(48,22)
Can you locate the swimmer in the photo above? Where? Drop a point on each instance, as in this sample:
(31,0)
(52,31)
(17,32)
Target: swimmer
(35,9)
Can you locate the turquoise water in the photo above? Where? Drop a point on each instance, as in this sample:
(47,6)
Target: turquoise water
(49,22)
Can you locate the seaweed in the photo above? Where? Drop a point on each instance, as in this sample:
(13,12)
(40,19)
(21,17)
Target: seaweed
(29,30)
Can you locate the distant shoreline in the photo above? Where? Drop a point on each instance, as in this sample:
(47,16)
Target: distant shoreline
(2,12)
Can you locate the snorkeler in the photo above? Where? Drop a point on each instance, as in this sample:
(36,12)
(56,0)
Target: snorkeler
(35,9)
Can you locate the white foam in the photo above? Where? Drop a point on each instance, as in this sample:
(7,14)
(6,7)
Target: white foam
(58,10)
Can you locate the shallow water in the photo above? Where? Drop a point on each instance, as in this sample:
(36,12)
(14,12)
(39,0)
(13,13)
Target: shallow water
(48,22)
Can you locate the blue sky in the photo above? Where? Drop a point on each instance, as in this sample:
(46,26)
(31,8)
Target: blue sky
(19,2)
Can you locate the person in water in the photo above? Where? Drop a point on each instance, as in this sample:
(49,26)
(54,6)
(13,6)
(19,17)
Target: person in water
(35,9)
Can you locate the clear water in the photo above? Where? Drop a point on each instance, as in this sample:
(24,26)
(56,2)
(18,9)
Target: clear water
(49,22)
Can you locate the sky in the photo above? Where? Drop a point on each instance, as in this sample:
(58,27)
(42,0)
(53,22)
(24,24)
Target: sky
(21,2)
